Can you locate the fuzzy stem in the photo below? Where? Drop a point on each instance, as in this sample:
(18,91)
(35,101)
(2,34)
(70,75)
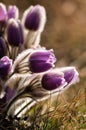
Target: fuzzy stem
(24,108)
(11,102)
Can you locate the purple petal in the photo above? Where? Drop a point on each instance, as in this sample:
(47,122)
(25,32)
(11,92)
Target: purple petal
(52,81)
(13,12)
(69,75)
(41,61)
(43,56)
(39,66)
(32,20)
(14,33)
(5,66)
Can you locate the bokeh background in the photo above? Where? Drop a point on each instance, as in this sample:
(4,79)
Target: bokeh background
(65,32)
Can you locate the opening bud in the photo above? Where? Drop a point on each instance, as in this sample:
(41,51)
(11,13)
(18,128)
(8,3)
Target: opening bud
(71,75)
(40,61)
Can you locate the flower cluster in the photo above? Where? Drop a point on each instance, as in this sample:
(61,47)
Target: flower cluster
(26,68)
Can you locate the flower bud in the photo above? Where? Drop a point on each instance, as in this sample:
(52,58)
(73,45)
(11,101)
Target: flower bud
(3,13)
(71,75)
(52,81)
(40,86)
(2,47)
(5,66)
(14,33)
(41,61)
(34,61)
(34,18)
(68,75)
(13,12)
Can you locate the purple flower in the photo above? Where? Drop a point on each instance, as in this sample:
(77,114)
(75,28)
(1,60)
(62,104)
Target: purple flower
(40,61)
(2,47)
(3,13)
(5,66)
(34,18)
(71,75)
(41,85)
(68,75)
(52,81)
(14,33)
(60,78)
(13,12)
